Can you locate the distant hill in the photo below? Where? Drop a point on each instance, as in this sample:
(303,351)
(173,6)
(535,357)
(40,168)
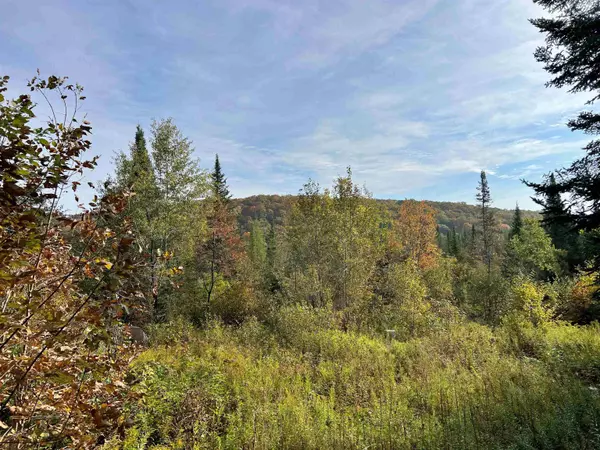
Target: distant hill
(460,215)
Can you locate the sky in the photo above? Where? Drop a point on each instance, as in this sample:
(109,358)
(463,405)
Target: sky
(417,96)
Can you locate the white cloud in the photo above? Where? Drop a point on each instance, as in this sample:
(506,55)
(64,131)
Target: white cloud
(407,92)
(335,29)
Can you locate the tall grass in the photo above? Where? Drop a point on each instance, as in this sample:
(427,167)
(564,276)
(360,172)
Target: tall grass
(300,383)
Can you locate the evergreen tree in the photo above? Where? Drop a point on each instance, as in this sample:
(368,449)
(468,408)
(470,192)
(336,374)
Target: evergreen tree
(472,242)
(219,183)
(135,173)
(487,220)
(218,255)
(570,55)
(560,225)
(517,223)
(453,242)
(555,217)
(141,166)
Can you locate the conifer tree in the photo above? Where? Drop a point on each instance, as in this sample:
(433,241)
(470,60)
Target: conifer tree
(570,55)
(453,242)
(218,255)
(141,166)
(554,213)
(135,173)
(559,224)
(517,223)
(487,220)
(472,246)
(219,183)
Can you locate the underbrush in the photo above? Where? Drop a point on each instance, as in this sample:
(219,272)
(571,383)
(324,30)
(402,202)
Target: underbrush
(301,383)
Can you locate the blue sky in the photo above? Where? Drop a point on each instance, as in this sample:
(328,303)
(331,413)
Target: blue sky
(416,95)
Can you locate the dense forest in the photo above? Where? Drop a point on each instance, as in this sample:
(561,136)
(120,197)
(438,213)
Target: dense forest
(459,216)
(165,314)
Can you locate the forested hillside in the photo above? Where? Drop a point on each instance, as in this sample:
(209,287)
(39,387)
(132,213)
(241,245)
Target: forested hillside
(458,215)
(163,314)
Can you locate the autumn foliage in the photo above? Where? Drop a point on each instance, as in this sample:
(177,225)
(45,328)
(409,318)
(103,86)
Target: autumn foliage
(63,344)
(416,230)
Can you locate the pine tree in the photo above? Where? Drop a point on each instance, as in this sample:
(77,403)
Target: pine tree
(218,255)
(517,223)
(570,55)
(555,216)
(135,171)
(473,242)
(219,183)
(141,166)
(559,224)
(453,242)
(487,220)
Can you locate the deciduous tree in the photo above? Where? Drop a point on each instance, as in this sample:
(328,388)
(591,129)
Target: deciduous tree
(415,229)
(62,290)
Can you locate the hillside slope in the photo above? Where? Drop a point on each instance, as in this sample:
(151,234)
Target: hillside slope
(460,215)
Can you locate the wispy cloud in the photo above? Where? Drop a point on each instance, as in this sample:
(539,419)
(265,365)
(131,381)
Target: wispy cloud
(413,94)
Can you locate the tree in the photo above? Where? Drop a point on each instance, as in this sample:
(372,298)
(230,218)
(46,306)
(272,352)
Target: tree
(218,253)
(274,262)
(135,173)
(140,159)
(310,239)
(257,245)
(219,183)
(62,289)
(473,242)
(335,239)
(416,233)
(531,252)
(517,223)
(570,57)
(271,253)
(166,209)
(356,241)
(487,221)
(554,213)
(453,242)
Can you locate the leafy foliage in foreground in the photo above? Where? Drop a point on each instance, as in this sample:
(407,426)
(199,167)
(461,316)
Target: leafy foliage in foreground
(62,352)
